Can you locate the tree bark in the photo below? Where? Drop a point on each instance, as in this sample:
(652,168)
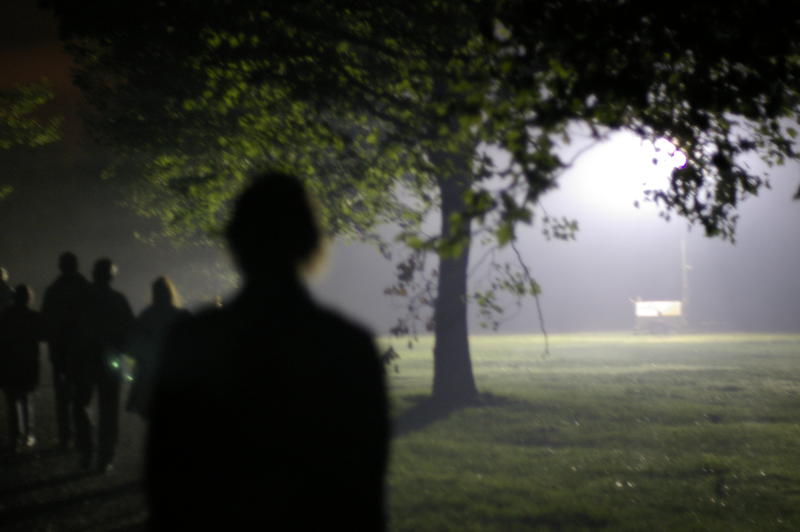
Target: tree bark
(453,380)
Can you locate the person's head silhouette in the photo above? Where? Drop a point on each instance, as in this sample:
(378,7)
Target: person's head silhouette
(104,271)
(23,295)
(68,263)
(273,230)
(164,293)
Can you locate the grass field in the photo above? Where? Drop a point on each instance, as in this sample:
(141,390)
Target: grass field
(609,431)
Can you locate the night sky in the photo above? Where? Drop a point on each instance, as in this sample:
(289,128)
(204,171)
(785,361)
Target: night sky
(60,203)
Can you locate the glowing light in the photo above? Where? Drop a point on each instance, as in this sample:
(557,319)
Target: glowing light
(655,309)
(615,175)
(676,158)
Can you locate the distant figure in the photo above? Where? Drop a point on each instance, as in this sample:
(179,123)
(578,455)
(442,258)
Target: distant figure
(21,330)
(64,310)
(148,335)
(6,293)
(109,319)
(271,412)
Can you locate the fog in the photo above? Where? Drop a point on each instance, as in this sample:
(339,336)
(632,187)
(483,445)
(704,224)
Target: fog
(622,252)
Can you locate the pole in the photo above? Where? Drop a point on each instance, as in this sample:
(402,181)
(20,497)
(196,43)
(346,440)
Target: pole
(684,280)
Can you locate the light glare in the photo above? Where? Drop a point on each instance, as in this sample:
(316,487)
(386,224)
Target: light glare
(614,176)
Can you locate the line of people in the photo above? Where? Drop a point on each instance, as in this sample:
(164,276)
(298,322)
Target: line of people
(269,412)
(88,326)
(21,330)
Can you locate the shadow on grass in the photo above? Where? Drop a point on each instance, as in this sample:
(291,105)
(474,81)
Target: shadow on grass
(424,411)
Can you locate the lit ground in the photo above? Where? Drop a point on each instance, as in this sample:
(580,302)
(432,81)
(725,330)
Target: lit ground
(609,431)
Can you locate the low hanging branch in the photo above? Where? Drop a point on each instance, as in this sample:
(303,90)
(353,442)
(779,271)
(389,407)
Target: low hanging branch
(535,294)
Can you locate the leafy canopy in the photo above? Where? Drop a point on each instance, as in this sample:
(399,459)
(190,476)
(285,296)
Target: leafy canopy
(361,98)
(19,124)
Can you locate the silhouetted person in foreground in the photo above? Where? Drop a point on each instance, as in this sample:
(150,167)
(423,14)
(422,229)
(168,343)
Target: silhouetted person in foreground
(148,335)
(6,292)
(270,413)
(21,330)
(108,324)
(64,309)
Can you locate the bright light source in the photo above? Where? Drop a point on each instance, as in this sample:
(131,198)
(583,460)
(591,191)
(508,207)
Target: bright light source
(614,175)
(657,309)
(675,158)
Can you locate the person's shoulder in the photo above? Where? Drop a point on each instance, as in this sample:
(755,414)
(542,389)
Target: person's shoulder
(78,281)
(179,314)
(51,293)
(119,295)
(181,318)
(346,350)
(341,324)
(117,300)
(68,282)
(208,313)
(348,343)
(95,290)
(145,313)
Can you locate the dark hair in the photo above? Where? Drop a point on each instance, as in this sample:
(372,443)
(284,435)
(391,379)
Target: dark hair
(104,270)
(23,295)
(273,226)
(164,293)
(68,262)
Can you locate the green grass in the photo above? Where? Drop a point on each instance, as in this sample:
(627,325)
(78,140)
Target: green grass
(611,431)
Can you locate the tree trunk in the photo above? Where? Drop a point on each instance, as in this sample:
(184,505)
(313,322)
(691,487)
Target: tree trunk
(453,381)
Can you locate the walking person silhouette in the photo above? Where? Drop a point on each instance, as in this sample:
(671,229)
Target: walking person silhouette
(270,412)
(64,310)
(6,292)
(148,334)
(108,324)
(21,331)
